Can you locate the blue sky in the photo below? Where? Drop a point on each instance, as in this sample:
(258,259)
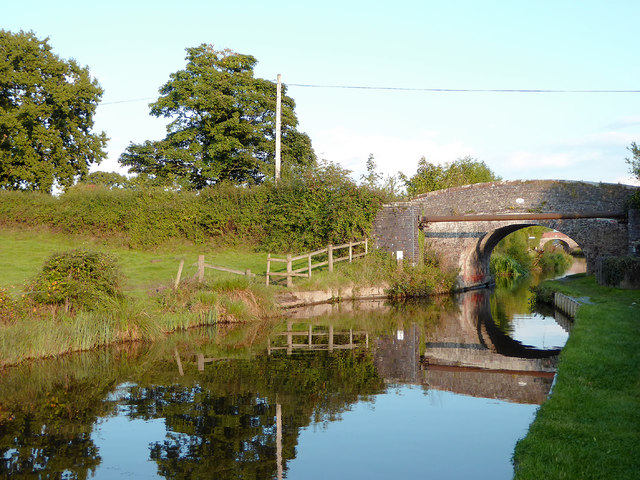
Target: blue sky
(132,47)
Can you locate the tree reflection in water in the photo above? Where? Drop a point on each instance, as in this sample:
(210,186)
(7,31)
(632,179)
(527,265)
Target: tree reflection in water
(219,393)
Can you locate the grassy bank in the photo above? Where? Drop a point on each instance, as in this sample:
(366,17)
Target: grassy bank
(590,426)
(147,306)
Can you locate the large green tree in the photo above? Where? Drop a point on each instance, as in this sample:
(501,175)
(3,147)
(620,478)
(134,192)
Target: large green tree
(46,116)
(463,171)
(222,125)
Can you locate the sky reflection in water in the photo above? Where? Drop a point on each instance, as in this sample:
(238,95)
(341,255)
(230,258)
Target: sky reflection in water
(382,411)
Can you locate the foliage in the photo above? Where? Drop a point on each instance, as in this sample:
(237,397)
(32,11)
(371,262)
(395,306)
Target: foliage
(222,125)
(616,270)
(310,208)
(505,265)
(318,206)
(389,188)
(107,179)
(634,161)
(554,261)
(464,171)
(46,116)
(8,307)
(420,280)
(77,279)
(518,246)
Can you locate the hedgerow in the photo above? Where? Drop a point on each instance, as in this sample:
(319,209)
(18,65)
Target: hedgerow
(297,215)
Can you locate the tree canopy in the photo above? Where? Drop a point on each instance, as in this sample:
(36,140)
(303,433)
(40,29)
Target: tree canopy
(222,125)
(463,171)
(46,116)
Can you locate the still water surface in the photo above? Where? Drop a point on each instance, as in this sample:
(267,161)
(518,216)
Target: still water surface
(370,390)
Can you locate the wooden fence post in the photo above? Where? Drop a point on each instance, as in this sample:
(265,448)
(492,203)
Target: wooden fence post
(366,246)
(201,268)
(289,271)
(177,282)
(309,265)
(330,347)
(268,267)
(350,251)
(330,252)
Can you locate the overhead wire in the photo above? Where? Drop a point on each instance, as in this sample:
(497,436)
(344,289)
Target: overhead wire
(413,89)
(471,90)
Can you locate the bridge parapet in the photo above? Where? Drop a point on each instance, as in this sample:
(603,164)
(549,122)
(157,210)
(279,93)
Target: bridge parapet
(467,245)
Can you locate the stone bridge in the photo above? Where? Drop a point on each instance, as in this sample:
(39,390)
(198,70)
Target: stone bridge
(462,225)
(567,243)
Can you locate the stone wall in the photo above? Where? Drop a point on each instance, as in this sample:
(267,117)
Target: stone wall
(396,229)
(467,246)
(526,196)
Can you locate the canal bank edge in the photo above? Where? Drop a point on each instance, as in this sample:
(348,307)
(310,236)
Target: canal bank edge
(589,428)
(295,299)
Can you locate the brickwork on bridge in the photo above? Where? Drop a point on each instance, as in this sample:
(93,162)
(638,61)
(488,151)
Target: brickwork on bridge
(467,246)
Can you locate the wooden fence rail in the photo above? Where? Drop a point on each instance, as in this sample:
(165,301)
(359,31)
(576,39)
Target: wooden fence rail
(318,340)
(202,265)
(329,251)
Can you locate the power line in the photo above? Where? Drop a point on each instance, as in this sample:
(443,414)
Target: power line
(409,89)
(454,90)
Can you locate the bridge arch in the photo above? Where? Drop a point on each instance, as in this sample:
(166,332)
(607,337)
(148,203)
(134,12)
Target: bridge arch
(464,240)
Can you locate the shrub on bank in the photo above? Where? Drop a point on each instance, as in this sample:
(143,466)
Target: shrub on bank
(621,271)
(77,279)
(502,265)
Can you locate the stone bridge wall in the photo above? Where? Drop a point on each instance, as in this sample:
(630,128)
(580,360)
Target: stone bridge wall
(467,246)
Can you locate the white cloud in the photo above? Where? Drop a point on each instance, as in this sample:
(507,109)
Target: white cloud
(628,180)
(392,154)
(536,161)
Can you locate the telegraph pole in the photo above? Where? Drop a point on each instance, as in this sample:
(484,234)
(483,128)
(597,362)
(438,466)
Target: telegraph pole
(278,127)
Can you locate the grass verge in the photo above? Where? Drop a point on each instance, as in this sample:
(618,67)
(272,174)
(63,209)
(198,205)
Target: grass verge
(590,426)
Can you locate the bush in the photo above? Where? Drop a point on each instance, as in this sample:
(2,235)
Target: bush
(302,213)
(421,281)
(77,279)
(8,308)
(555,262)
(619,271)
(505,266)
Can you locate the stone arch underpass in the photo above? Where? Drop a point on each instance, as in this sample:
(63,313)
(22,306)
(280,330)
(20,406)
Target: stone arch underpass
(462,225)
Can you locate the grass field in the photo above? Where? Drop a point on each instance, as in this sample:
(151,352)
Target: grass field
(22,254)
(590,426)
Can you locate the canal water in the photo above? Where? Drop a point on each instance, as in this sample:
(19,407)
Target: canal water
(437,389)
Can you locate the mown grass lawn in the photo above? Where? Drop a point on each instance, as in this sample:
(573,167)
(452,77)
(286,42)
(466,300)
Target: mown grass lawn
(22,254)
(590,426)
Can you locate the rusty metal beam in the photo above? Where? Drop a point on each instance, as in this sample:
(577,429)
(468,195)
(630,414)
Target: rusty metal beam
(516,216)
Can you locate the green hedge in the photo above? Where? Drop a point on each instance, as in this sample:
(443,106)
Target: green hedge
(622,271)
(293,217)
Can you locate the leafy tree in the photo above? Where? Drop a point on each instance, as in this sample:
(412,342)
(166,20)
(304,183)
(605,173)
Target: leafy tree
(46,116)
(110,180)
(223,125)
(372,178)
(463,171)
(634,162)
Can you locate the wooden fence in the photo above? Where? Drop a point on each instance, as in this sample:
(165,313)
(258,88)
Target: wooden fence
(329,251)
(202,265)
(324,340)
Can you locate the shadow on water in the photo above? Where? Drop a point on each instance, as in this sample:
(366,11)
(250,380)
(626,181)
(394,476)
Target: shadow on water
(244,402)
